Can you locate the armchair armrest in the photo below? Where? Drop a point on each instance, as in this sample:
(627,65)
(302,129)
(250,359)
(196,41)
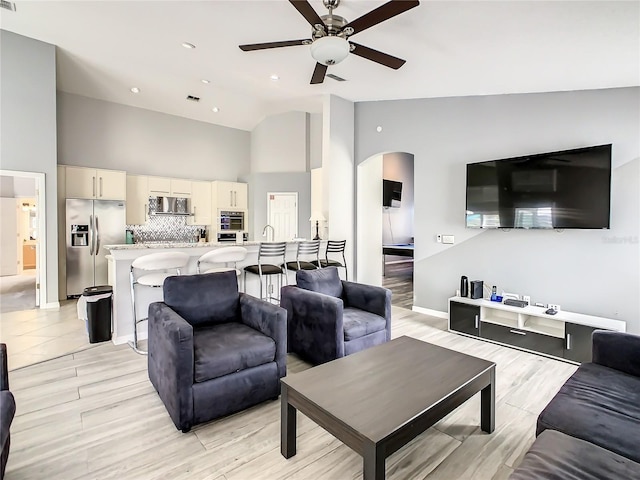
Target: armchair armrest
(4,368)
(270,320)
(372,299)
(170,362)
(617,350)
(315,328)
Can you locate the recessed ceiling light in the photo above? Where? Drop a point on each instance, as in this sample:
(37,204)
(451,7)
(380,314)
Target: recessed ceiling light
(135,90)
(215,109)
(188,45)
(274,77)
(205,81)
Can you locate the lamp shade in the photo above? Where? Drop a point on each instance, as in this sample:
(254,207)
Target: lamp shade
(317,217)
(330,50)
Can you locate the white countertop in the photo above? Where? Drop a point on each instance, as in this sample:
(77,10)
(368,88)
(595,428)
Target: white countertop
(143,246)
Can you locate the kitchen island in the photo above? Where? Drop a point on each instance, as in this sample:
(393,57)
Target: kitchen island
(122,256)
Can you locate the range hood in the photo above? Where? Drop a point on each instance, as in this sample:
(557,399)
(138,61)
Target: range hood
(172,206)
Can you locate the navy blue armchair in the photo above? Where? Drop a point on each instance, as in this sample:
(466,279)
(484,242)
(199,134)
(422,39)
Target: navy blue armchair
(214,351)
(7,410)
(328,318)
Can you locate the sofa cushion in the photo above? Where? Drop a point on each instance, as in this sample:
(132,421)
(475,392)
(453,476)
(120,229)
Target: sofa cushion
(321,280)
(204,299)
(358,323)
(600,405)
(227,348)
(556,456)
(7,411)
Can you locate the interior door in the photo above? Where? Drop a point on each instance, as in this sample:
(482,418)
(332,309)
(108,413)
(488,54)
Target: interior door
(8,237)
(282,214)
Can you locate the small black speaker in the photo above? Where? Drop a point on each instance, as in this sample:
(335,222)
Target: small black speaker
(476,288)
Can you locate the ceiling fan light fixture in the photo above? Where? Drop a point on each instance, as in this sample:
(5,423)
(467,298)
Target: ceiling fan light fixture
(330,50)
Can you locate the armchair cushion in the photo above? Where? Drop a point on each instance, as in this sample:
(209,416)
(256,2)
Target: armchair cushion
(204,299)
(358,323)
(228,348)
(617,350)
(324,280)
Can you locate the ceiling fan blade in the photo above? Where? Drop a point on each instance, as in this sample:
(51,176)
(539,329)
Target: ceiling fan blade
(262,46)
(318,73)
(377,56)
(380,14)
(307,11)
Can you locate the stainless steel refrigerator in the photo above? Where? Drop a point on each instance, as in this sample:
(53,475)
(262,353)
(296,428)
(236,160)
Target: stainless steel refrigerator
(91,224)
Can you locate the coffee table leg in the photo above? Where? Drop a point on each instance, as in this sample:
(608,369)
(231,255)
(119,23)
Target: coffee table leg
(373,463)
(488,404)
(287,425)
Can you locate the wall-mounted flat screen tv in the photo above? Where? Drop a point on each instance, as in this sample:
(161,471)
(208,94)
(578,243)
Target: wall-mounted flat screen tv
(391,193)
(566,189)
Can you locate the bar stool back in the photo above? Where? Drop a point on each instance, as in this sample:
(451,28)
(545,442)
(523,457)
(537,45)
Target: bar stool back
(335,247)
(228,256)
(154,272)
(308,249)
(267,252)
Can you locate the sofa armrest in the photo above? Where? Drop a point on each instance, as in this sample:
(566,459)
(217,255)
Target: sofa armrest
(617,350)
(270,320)
(314,321)
(170,362)
(4,368)
(7,412)
(372,299)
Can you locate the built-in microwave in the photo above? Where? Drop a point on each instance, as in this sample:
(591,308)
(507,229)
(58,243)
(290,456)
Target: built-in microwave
(231,221)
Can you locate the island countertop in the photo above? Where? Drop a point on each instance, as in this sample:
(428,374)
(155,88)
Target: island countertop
(147,246)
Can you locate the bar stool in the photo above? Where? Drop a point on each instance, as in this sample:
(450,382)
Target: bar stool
(152,263)
(334,247)
(227,256)
(306,249)
(262,269)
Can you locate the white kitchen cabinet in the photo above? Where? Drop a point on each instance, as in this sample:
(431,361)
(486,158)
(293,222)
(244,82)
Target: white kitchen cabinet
(181,188)
(231,195)
(200,203)
(159,187)
(137,199)
(95,183)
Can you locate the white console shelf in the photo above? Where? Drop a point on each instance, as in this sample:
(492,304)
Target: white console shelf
(565,335)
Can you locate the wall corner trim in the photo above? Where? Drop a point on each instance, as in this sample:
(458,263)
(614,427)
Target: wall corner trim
(428,311)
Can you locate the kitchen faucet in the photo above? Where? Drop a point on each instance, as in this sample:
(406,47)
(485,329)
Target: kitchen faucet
(264,232)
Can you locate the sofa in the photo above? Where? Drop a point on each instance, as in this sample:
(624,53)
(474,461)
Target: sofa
(7,410)
(591,428)
(212,350)
(328,318)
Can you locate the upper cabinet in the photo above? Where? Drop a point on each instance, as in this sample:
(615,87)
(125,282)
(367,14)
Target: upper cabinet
(200,203)
(96,184)
(159,187)
(137,199)
(230,195)
(181,188)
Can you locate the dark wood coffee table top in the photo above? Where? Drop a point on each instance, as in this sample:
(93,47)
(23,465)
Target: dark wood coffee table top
(378,390)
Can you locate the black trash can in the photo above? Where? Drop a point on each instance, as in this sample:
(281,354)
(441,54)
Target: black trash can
(98,312)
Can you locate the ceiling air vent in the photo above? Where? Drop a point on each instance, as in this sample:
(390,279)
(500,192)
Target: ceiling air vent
(336,77)
(8,5)
(189,97)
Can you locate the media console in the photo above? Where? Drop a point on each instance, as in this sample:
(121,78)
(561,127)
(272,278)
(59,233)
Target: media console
(566,335)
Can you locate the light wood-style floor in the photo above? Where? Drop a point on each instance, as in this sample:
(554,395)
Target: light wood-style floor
(94,415)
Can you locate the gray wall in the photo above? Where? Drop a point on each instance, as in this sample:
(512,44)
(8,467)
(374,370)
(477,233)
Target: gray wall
(95,133)
(279,144)
(587,271)
(261,183)
(28,127)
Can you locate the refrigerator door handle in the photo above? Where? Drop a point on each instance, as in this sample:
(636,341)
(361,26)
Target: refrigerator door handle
(97,236)
(91,235)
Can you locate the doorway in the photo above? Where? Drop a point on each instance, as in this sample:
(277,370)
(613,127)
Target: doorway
(22,236)
(282,215)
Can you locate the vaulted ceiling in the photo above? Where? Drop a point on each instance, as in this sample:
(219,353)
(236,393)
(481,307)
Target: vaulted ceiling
(452,48)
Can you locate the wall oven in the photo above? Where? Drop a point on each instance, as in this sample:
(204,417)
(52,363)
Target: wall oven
(231,221)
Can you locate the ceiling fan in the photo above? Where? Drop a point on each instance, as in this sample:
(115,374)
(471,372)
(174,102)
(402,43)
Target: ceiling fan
(330,35)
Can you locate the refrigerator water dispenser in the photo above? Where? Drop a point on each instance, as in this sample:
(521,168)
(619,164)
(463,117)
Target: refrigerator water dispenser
(79,235)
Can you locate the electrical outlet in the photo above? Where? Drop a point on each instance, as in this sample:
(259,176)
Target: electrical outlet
(554,306)
(449,239)
(439,238)
(526,298)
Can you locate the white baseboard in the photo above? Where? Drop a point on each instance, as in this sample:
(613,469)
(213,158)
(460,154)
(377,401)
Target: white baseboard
(51,305)
(428,311)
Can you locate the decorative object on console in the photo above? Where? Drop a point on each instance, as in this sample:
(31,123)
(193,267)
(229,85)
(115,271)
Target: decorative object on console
(328,318)
(464,286)
(477,287)
(212,350)
(317,217)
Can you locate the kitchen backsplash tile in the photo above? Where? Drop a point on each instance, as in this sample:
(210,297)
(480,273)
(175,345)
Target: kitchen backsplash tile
(165,228)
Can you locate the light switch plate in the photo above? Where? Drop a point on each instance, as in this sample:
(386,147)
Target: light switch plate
(447,239)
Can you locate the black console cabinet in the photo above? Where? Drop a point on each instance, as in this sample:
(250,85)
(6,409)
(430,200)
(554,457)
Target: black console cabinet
(578,342)
(464,318)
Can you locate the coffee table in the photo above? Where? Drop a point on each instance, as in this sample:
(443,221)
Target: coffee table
(377,400)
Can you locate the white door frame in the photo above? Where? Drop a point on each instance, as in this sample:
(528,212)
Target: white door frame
(283,193)
(41,240)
